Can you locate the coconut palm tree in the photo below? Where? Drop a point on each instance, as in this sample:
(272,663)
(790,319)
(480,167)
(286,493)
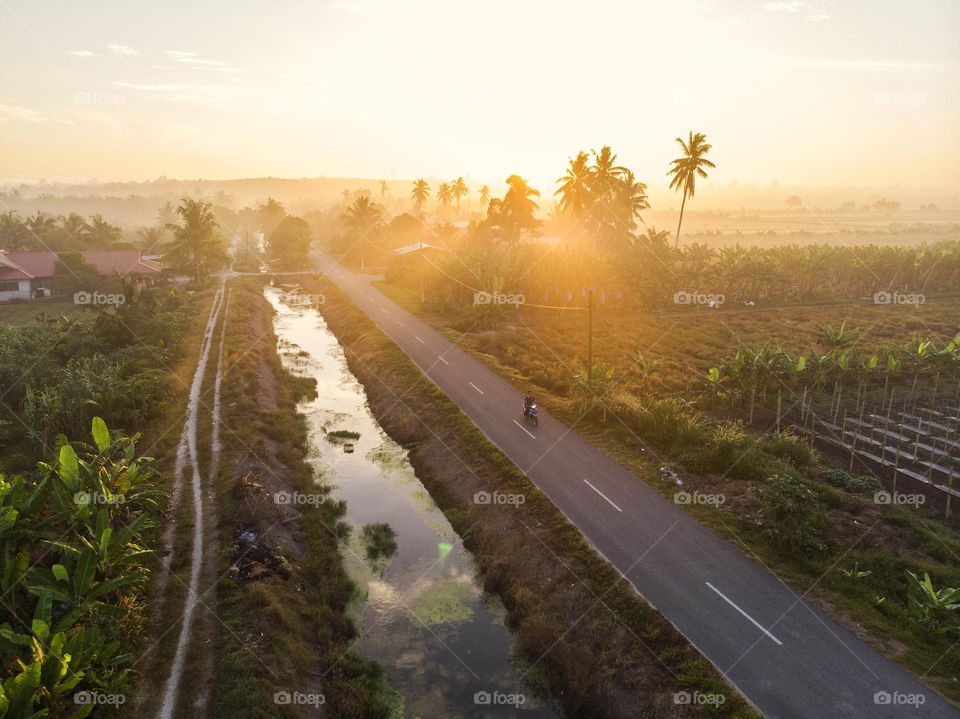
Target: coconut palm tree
(197,243)
(607,174)
(445,195)
(383,189)
(631,200)
(166,214)
(41,226)
(484,198)
(101,233)
(223,199)
(518,209)
(151,237)
(73,231)
(576,187)
(361,219)
(14,236)
(420,193)
(686,169)
(460,190)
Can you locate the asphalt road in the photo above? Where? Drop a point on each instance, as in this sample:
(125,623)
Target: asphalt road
(788,658)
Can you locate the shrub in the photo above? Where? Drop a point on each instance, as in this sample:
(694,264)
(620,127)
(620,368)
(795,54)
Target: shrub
(791,512)
(788,446)
(858,484)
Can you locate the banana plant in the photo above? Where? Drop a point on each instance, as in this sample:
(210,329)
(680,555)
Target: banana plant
(933,607)
(90,514)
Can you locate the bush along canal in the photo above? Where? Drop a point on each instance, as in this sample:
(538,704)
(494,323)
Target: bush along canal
(420,608)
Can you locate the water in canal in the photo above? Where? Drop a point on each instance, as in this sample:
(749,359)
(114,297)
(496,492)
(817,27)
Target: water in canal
(422,614)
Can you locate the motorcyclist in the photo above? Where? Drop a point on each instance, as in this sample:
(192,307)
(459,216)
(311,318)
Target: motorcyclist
(528,402)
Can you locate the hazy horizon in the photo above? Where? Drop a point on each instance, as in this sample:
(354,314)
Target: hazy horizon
(806,93)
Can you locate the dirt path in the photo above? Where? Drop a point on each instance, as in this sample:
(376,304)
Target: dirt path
(187,461)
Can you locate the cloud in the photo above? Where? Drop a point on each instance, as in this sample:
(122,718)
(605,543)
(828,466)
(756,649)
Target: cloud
(193,59)
(122,49)
(201,61)
(84,53)
(18,113)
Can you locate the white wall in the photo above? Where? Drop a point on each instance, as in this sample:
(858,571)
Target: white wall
(23,293)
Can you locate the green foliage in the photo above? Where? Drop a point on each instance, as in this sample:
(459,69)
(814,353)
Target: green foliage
(74,560)
(197,246)
(379,540)
(57,377)
(858,484)
(792,514)
(935,609)
(788,446)
(594,387)
(289,244)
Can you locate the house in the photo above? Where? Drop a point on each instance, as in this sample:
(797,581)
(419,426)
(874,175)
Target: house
(29,275)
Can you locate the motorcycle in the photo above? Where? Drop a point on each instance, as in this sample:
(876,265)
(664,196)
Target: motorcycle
(530,414)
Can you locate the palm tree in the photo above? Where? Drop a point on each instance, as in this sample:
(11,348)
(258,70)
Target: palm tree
(151,237)
(576,186)
(460,190)
(631,200)
(686,169)
(14,235)
(607,174)
(362,218)
(484,198)
(197,242)
(518,209)
(445,194)
(101,233)
(420,193)
(73,231)
(41,226)
(383,189)
(166,214)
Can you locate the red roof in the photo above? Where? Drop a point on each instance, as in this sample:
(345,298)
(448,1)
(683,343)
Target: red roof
(26,265)
(30,265)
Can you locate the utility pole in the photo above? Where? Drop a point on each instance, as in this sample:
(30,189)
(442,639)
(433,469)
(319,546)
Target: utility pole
(590,338)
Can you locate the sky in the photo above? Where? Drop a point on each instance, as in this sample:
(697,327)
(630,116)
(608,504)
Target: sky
(852,92)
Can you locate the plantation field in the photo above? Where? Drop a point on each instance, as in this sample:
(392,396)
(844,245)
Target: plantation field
(818,526)
(545,348)
(20,314)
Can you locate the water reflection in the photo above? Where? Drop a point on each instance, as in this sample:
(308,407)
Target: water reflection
(422,614)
